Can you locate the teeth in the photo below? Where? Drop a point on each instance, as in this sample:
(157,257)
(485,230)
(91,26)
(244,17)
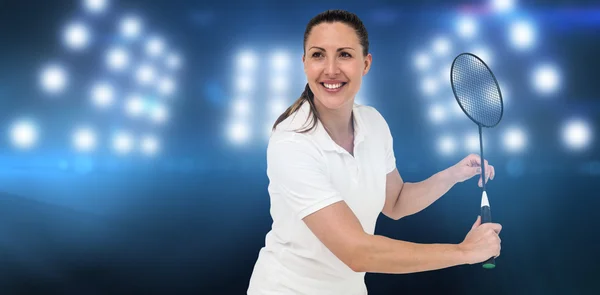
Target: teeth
(332,86)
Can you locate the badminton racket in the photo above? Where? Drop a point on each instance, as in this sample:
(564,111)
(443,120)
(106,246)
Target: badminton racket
(477,92)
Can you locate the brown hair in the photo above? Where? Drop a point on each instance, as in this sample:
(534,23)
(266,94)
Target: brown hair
(329,16)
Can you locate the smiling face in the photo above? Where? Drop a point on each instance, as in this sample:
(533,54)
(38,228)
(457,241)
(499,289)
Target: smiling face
(334,64)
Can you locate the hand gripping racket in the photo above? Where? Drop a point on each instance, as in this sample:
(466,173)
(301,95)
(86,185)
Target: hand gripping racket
(477,92)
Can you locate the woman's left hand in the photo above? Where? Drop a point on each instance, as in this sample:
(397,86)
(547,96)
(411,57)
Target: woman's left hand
(469,167)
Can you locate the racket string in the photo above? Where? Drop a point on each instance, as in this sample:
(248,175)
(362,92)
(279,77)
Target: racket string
(476,90)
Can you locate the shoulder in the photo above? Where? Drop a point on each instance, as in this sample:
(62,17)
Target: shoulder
(371,117)
(369,113)
(292,145)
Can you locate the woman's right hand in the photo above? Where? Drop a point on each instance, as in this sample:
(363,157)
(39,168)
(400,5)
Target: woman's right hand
(482,242)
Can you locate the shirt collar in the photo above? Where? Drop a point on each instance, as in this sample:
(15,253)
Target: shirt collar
(320,134)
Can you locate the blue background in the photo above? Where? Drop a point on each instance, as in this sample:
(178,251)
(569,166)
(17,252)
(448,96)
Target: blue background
(191,219)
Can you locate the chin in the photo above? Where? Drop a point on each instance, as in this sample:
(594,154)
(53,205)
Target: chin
(334,104)
(334,101)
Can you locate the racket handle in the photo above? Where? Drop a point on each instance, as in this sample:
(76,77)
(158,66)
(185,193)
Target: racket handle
(486,217)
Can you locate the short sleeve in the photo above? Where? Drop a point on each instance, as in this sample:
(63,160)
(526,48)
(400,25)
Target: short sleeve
(298,170)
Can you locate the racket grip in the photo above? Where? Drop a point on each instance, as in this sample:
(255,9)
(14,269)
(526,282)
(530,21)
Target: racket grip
(486,217)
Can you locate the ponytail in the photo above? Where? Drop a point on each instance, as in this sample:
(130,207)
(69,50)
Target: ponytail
(308,96)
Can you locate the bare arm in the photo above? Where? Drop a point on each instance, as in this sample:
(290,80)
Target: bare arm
(339,229)
(403,199)
(407,198)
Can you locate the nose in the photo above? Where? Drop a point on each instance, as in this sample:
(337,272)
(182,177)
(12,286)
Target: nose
(331,68)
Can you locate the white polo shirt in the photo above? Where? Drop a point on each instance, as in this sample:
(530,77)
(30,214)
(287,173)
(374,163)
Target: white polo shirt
(308,172)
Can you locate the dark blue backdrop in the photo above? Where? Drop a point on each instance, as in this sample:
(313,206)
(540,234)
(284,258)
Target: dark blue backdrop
(192,219)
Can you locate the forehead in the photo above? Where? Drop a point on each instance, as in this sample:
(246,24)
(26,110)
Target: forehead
(332,35)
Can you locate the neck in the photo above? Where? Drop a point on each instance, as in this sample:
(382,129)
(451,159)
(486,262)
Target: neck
(338,122)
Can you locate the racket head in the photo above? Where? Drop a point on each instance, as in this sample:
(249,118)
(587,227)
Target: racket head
(476,90)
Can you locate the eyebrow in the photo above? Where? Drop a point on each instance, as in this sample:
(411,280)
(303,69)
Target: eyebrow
(339,49)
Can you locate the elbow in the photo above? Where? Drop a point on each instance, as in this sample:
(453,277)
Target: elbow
(359,259)
(357,264)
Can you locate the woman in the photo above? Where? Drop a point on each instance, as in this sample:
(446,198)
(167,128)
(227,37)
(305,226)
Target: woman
(332,171)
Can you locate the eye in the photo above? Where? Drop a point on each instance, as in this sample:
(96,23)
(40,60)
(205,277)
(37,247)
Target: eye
(345,55)
(317,54)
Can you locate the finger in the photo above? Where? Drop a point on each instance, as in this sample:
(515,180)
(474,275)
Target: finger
(477,222)
(488,175)
(493,172)
(474,160)
(496,227)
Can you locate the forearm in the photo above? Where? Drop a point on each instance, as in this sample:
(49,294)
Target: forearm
(380,254)
(416,196)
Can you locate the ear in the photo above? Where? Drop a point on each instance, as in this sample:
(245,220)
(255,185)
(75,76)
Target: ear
(368,62)
(304,61)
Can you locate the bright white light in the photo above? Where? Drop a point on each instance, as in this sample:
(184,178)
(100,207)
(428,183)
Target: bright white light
(155,46)
(241,107)
(145,74)
(117,58)
(466,27)
(166,86)
(441,46)
(437,113)
(158,113)
(445,73)
(238,133)
(53,79)
(149,145)
(577,134)
(173,61)
(95,6)
(484,54)
(244,84)
(514,140)
(278,106)
(103,94)
(430,86)
(122,142)
(84,139)
(422,61)
(503,5)
(279,84)
(546,79)
(472,143)
(522,35)
(247,61)
(76,36)
(447,145)
(130,26)
(134,105)
(280,61)
(24,134)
